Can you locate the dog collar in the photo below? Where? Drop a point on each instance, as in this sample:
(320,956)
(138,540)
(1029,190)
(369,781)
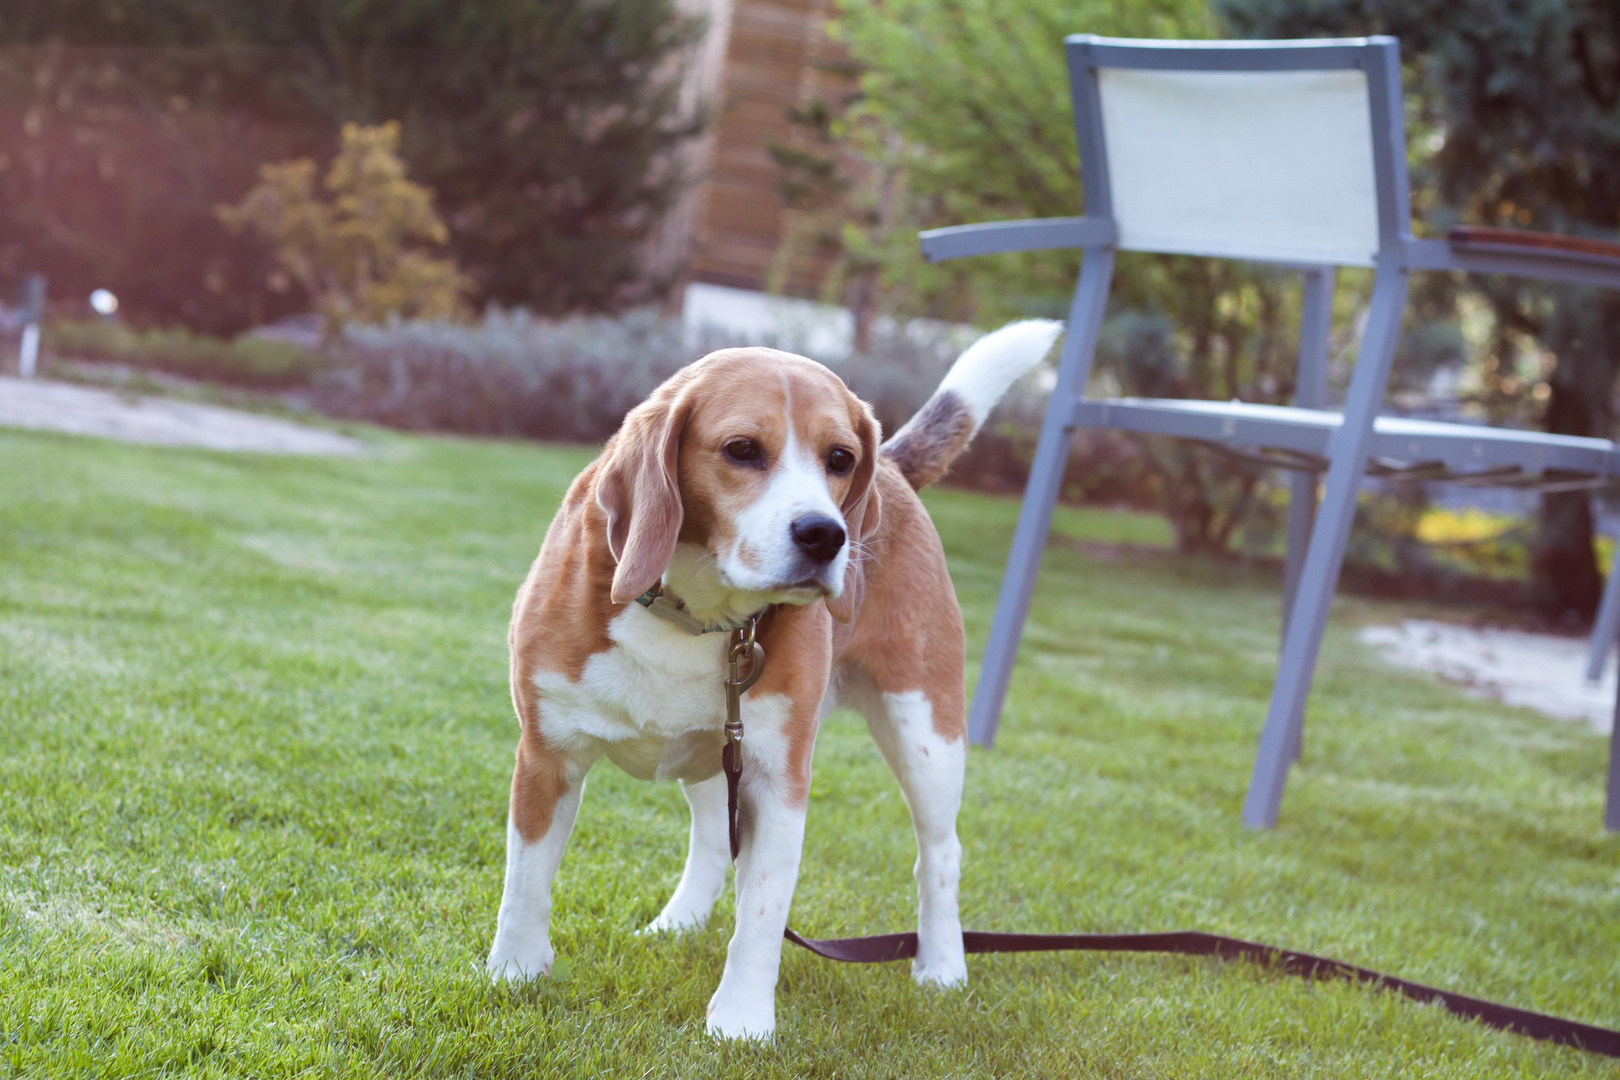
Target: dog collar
(670,609)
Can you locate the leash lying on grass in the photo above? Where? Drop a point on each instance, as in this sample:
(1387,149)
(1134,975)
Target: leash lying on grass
(882,948)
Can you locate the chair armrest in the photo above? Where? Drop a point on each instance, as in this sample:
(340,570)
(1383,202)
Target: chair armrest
(1036,234)
(1484,250)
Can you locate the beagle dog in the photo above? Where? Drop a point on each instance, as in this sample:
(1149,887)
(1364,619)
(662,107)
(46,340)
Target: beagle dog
(751,483)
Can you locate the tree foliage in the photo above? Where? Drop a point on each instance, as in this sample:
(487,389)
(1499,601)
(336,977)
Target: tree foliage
(545,129)
(976,93)
(358,256)
(853,219)
(1522,99)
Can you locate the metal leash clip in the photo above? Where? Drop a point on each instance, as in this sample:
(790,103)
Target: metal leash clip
(742,644)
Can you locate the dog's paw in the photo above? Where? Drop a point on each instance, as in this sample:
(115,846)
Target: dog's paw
(941,974)
(514,970)
(742,1019)
(520,961)
(678,922)
(940,960)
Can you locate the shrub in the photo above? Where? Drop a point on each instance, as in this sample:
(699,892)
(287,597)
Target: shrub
(245,361)
(359,255)
(573,380)
(570,379)
(509,375)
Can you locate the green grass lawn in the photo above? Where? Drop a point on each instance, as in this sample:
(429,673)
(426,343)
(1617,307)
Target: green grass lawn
(256,747)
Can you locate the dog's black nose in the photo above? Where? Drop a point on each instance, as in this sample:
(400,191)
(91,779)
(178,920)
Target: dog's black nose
(818,536)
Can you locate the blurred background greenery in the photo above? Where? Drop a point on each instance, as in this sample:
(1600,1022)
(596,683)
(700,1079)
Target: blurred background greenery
(188,155)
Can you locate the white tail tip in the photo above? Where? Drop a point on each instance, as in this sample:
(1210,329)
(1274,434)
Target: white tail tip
(983,373)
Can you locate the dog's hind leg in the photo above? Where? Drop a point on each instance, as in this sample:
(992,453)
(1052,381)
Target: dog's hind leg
(546,790)
(930,768)
(708,855)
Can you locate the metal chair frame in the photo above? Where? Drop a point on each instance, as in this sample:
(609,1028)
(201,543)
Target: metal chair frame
(1347,441)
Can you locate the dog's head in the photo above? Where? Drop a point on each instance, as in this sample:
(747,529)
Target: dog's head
(744,480)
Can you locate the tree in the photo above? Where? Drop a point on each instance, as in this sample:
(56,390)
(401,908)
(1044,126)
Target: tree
(976,93)
(358,257)
(854,217)
(1523,102)
(548,131)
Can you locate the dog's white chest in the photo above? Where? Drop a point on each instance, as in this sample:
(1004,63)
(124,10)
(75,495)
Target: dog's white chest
(654,704)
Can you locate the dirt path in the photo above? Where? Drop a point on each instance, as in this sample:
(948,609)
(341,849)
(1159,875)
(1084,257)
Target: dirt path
(1536,671)
(81,410)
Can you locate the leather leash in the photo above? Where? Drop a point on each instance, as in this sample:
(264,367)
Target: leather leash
(883,948)
(880,948)
(742,645)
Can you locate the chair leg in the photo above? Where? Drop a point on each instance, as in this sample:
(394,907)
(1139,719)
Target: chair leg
(1307,618)
(1018,584)
(1040,496)
(1611,805)
(1301,517)
(1607,627)
(1310,392)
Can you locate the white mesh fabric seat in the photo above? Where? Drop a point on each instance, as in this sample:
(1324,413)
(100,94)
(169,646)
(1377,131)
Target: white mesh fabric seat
(1252,165)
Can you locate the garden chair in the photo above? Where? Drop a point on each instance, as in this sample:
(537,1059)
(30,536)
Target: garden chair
(1606,628)
(1289,152)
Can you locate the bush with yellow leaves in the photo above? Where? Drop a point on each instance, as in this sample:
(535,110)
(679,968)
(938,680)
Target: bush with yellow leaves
(360,253)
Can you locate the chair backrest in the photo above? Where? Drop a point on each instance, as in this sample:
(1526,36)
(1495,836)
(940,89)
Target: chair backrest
(1283,151)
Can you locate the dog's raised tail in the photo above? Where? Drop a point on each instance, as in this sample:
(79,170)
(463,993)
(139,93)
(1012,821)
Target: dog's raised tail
(936,436)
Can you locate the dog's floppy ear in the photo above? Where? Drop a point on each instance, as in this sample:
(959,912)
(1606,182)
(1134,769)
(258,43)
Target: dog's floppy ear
(640,492)
(862,510)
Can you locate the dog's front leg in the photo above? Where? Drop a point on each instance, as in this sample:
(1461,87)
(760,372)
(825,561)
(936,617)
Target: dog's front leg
(775,789)
(546,789)
(708,856)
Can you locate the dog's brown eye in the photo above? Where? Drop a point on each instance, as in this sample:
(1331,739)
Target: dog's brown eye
(840,461)
(743,452)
